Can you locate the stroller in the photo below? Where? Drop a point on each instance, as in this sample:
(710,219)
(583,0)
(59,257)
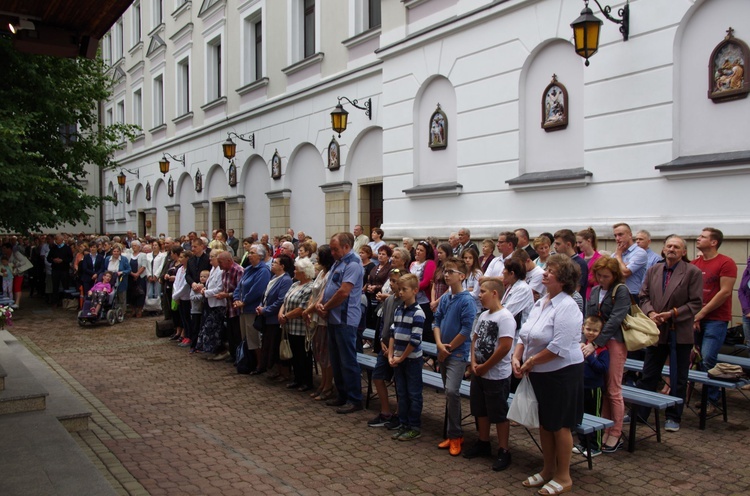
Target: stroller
(110,310)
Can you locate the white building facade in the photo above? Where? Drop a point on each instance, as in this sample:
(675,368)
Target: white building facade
(644,143)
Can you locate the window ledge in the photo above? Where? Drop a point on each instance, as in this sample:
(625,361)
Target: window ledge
(160,127)
(136,47)
(139,137)
(182,117)
(157,29)
(216,103)
(303,64)
(109,221)
(252,86)
(121,219)
(132,213)
(554,179)
(182,8)
(362,37)
(434,190)
(710,165)
(410,4)
(279,193)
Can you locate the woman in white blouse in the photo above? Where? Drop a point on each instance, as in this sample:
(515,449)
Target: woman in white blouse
(209,337)
(154,264)
(549,352)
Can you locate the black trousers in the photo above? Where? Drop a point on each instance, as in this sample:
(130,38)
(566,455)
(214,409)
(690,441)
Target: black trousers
(656,356)
(59,278)
(592,404)
(301,361)
(269,347)
(234,336)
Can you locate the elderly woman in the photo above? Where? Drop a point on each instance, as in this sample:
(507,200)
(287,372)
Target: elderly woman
(320,332)
(138,261)
(248,295)
(209,335)
(549,352)
(305,250)
(292,320)
(269,308)
(488,254)
(400,260)
(119,265)
(610,300)
(154,264)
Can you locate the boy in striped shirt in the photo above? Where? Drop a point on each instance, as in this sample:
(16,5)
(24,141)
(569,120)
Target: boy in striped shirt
(405,356)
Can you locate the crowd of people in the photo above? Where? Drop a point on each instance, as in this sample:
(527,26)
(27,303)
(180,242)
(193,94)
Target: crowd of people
(547,309)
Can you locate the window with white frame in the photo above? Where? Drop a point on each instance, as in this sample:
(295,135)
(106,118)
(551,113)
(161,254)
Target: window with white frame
(214,79)
(119,39)
(183,86)
(158,101)
(253,32)
(179,3)
(138,107)
(120,112)
(107,49)
(308,28)
(136,23)
(109,117)
(157,13)
(304,19)
(372,19)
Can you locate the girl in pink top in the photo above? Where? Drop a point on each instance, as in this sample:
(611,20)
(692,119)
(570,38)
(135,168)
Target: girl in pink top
(586,243)
(99,292)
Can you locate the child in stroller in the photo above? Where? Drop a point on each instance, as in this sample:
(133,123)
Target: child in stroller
(99,293)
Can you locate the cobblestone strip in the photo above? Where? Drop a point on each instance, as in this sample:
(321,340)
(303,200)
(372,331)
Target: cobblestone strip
(107,463)
(104,423)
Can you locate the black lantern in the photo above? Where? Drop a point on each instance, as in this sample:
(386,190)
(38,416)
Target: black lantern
(230,148)
(339,116)
(121,177)
(164,162)
(587,27)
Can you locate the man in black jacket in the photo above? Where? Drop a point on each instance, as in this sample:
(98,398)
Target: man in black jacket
(196,264)
(60,256)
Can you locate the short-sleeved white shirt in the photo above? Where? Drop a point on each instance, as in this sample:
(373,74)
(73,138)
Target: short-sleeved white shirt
(489,329)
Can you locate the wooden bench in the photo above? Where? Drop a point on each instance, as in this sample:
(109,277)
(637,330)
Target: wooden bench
(734,360)
(656,401)
(700,377)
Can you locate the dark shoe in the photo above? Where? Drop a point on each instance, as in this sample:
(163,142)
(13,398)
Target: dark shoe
(174,337)
(410,435)
(379,421)
(257,372)
(335,402)
(350,408)
(612,449)
(480,448)
(393,424)
(324,395)
(271,377)
(292,385)
(220,357)
(304,389)
(503,460)
(230,359)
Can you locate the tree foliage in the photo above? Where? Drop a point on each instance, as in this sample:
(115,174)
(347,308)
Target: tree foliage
(49,132)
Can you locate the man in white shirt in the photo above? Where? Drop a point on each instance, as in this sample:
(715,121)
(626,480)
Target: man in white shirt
(360,238)
(506,244)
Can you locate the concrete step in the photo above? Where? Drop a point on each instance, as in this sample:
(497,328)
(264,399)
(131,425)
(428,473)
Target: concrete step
(21,392)
(61,402)
(38,456)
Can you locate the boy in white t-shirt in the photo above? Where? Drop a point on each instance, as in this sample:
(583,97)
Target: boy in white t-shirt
(491,342)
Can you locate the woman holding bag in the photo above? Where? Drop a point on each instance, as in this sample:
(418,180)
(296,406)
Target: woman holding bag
(549,353)
(293,323)
(610,300)
(269,310)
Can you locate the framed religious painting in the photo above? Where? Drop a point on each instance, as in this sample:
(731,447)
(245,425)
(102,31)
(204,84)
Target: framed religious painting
(438,139)
(334,161)
(148,191)
(127,195)
(114,196)
(276,165)
(726,70)
(554,106)
(198,181)
(170,187)
(232,174)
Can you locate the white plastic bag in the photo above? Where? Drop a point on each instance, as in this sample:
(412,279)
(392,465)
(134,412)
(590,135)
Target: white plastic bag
(524,408)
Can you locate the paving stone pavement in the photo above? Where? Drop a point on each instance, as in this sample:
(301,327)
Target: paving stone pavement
(166,422)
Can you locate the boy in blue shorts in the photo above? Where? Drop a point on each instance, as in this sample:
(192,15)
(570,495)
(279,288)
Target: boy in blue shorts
(405,356)
(383,371)
(491,342)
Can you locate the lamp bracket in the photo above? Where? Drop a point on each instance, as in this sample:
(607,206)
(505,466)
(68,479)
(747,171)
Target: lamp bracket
(367,106)
(180,159)
(623,21)
(250,140)
(137,172)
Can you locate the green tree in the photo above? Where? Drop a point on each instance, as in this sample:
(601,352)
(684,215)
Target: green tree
(49,131)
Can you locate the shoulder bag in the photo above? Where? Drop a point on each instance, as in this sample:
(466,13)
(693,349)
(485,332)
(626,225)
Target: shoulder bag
(638,331)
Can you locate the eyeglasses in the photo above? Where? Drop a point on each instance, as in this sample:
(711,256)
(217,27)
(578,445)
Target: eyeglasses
(396,271)
(451,271)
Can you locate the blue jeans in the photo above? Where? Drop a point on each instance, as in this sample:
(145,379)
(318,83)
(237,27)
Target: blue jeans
(714,333)
(408,377)
(342,351)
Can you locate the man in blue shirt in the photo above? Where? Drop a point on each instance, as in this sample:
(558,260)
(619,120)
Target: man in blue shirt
(643,239)
(340,305)
(633,259)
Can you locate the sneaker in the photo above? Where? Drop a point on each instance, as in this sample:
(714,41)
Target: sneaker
(671,426)
(455,446)
(349,408)
(379,421)
(393,423)
(410,435)
(366,346)
(612,449)
(400,432)
(445,444)
(578,449)
(626,420)
(480,448)
(594,452)
(503,460)
(184,343)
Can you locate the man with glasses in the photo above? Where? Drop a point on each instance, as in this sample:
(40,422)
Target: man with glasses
(506,245)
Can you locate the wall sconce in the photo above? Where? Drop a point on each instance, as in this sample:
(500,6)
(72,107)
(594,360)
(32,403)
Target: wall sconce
(230,147)
(339,116)
(164,163)
(121,176)
(22,24)
(586,28)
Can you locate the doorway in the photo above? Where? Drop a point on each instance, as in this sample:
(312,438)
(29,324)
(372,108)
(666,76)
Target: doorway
(219,220)
(141,224)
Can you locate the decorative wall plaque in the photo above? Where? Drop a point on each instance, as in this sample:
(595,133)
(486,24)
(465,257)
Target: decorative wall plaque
(170,186)
(232,173)
(276,165)
(198,181)
(127,195)
(148,191)
(554,106)
(334,154)
(726,69)
(438,139)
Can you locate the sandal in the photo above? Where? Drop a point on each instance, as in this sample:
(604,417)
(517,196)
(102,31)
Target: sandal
(554,488)
(535,480)
(315,394)
(326,394)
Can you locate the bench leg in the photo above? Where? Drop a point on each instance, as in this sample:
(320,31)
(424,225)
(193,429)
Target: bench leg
(724,403)
(704,400)
(587,447)
(369,389)
(633,425)
(658,425)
